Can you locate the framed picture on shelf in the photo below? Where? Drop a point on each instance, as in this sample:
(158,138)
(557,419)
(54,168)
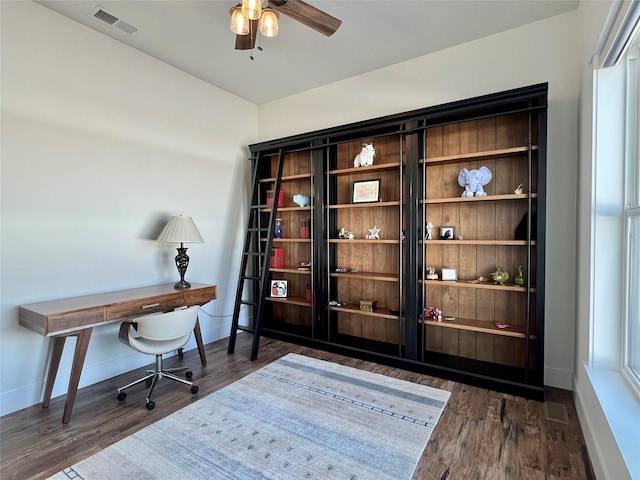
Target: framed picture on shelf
(366,191)
(447,233)
(279,288)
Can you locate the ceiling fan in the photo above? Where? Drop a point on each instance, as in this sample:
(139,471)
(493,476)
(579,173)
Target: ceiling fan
(249,17)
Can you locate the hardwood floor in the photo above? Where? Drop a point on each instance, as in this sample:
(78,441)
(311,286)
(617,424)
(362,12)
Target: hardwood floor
(482,434)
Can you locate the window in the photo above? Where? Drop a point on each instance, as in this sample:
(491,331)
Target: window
(631,267)
(615,333)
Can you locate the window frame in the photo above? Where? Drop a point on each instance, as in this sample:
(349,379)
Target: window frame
(630,357)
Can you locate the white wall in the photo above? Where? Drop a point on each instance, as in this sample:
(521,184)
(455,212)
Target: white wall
(100,144)
(541,52)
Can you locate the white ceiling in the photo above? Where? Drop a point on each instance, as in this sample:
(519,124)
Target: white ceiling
(194,36)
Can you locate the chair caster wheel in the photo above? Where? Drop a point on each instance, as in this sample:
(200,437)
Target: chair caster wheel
(194,389)
(151,404)
(122,396)
(189,374)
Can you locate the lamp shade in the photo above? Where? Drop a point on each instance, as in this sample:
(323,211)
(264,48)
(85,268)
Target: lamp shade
(239,23)
(269,22)
(180,229)
(252,9)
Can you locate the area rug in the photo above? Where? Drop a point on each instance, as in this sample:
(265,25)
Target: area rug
(297,418)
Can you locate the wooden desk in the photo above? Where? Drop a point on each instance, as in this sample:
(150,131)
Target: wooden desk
(76,317)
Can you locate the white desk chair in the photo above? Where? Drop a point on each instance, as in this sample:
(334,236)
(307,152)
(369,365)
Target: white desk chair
(157,334)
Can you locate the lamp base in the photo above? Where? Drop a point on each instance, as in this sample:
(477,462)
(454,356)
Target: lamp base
(181,285)
(182,262)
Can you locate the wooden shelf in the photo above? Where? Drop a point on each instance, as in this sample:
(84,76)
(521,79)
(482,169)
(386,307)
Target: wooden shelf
(363,240)
(395,203)
(516,331)
(372,168)
(378,312)
(287,209)
(382,277)
(478,155)
(290,270)
(507,243)
(301,301)
(482,285)
(288,240)
(288,178)
(510,196)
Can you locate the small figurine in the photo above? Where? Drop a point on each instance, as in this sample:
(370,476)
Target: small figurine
(345,234)
(302,200)
(518,190)
(431,313)
(429,231)
(374,233)
(431,273)
(474,180)
(500,276)
(365,157)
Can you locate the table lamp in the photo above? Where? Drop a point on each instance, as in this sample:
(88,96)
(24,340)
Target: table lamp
(181,230)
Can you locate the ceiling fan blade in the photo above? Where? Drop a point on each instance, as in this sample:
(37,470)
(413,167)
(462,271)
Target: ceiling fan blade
(307,15)
(248,41)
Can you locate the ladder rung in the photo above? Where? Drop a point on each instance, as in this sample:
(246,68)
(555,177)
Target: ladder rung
(251,277)
(247,302)
(255,254)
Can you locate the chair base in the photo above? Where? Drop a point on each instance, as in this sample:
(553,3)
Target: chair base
(154,376)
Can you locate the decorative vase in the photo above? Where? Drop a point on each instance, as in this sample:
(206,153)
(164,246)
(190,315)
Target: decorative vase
(278,233)
(520,280)
(500,276)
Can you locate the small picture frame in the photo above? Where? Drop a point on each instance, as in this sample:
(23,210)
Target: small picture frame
(447,233)
(279,288)
(366,191)
(449,275)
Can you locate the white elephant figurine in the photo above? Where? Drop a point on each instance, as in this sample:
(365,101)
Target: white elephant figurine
(365,157)
(474,180)
(302,200)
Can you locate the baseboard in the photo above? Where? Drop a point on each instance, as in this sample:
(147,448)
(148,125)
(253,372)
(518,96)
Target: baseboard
(558,378)
(611,442)
(589,433)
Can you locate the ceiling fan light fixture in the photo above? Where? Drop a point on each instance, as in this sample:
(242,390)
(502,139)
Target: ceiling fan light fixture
(262,17)
(269,22)
(252,9)
(239,23)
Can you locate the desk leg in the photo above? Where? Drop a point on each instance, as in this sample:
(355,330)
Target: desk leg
(198,334)
(82,344)
(56,355)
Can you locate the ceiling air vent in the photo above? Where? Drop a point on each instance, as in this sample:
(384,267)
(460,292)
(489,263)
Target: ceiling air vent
(110,19)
